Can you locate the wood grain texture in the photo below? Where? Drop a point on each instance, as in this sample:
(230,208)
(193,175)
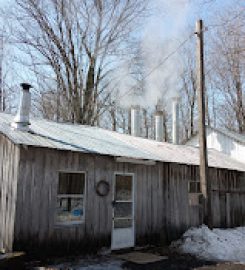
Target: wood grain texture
(162,208)
(9,162)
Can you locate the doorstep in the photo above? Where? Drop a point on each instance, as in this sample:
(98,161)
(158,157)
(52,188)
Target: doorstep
(140,257)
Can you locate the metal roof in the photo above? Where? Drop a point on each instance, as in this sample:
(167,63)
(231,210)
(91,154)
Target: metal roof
(80,138)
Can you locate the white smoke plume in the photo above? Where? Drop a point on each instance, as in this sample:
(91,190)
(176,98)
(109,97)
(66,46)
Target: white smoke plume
(163,32)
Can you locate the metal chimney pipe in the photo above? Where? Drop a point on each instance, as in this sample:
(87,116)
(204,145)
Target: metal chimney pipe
(135,121)
(159,132)
(175,119)
(21,120)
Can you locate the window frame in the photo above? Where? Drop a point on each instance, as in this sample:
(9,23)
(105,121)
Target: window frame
(82,196)
(196,183)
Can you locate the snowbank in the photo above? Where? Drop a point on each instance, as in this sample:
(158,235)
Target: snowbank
(216,244)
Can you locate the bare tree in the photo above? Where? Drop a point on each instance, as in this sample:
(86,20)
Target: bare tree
(228,70)
(188,93)
(77,44)
(7,86)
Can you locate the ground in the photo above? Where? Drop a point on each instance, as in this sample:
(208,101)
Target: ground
(174,261)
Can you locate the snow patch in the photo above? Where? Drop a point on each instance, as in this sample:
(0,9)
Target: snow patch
(216,244)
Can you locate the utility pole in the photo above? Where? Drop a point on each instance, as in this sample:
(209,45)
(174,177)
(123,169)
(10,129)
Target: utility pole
(205,183)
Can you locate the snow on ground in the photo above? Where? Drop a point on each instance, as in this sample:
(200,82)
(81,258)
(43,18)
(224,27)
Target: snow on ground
(216,244)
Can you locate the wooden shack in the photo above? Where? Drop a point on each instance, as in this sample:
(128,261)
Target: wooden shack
(76,187)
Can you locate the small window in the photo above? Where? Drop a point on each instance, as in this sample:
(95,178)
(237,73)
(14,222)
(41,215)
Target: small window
(70,198)
(194,187)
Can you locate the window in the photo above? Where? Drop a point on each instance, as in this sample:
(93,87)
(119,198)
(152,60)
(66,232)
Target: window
(194,187)
(70,198)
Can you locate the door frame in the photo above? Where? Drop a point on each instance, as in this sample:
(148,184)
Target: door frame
(133,201)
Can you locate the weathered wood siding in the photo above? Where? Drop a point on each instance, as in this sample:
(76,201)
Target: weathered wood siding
(162,208)
(228,198)
(9,156)
(178,214)
(37,191)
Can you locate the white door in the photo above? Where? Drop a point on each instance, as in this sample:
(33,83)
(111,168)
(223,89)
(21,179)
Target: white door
(123,235)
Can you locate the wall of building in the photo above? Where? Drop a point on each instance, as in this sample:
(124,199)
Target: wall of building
(162,204)
(9,156)
(221,142)
(37,191)
(228,198)
(226,145)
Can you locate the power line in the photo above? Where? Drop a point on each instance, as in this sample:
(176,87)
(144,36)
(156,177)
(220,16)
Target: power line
(156,67)
(175,51)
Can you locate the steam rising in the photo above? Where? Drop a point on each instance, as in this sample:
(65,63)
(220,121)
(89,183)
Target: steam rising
(162,34)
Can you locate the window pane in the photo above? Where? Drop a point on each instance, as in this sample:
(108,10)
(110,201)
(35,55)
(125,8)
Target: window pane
(71,183)
(194,187)
(63,183)
(122,223)
(198,187)
(123,210)
(123,187)
(69,209)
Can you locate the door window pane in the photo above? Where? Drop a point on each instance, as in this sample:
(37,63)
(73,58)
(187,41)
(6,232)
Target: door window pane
(122,223)
(123,190)
(122,210)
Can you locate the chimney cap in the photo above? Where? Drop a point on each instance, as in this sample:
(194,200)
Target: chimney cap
(176,98)
(159,108)
(135,107)
(26,86)
(159,113)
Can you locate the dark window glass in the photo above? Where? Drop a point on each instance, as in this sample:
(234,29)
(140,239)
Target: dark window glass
(70,200)
(194,187)
(71,183)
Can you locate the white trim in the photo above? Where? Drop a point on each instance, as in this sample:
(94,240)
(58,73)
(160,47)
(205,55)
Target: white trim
(130,201)
(79,196)
(69,223)
(82,196)
(135,161)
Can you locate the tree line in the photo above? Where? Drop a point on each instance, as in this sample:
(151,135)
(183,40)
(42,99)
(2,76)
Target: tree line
(71,50)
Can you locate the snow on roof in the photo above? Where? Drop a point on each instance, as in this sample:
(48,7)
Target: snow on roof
(80,138)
